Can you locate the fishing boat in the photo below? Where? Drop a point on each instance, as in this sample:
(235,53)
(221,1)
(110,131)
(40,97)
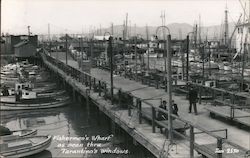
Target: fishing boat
(21,133)
(16,146)
(28,104)
(207,65)
(151,53)
(8,116)
(24,132)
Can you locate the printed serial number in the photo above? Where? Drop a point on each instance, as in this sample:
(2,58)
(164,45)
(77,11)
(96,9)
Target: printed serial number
(228,150)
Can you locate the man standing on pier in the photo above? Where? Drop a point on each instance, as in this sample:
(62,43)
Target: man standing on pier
(193,98)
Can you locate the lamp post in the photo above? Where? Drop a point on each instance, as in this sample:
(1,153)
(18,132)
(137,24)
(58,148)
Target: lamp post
(110,52)
(164,54)
(169,82)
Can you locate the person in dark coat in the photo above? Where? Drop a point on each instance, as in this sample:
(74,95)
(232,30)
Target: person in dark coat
(174,108)
(193,95)
(5,91)
(162,116)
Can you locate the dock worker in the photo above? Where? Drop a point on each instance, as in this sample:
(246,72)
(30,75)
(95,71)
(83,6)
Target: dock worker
(193,99)
(174,108)
(5,91)
(161,115)
(18,94)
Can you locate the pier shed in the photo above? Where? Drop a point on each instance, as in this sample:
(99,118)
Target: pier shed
(24,49)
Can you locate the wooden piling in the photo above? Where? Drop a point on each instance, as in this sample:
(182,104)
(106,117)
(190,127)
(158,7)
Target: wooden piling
(191,142)
(219,147)
(139,109)
(153,119)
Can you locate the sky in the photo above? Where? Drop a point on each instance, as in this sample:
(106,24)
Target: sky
(65,16)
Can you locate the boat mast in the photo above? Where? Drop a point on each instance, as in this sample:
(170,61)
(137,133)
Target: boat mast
(244,50)
(147,46)
(126,26)
(226,28)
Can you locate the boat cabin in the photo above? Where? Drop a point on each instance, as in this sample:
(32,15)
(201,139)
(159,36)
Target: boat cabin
(23,86)
(26,94)
(210,84)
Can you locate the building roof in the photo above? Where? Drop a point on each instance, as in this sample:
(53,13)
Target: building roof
(21,44)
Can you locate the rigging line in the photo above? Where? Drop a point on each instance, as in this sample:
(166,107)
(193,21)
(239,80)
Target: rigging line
(243,8)
(232,19)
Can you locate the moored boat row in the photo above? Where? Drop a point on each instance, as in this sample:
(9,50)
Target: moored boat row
(26,87)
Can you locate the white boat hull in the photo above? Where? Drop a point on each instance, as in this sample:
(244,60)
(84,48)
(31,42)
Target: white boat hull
(18,106)
(23,151)
(21,133)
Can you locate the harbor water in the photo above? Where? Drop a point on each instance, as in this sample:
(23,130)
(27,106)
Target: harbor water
(73,122)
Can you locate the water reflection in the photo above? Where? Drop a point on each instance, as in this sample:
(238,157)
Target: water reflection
(71,121)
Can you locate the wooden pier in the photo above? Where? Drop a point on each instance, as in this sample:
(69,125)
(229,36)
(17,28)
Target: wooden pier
(191,136)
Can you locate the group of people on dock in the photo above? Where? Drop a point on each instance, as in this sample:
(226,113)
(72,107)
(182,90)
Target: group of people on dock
(193,99)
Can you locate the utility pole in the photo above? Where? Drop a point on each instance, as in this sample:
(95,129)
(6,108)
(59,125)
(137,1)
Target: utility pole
(124,46)
(209,57)
(0,20)
(49,37)
(66,36)
(164,53)
(165,62)
(111,67)
(136,57)
(243,68)
(226,28)
(147,46)
(169,87)
(203,64)
(195,39)
(126,26)
(28,30)
(187,64)
(91,52)
(199,29)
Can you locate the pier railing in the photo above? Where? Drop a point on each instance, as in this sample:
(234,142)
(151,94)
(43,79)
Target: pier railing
(203,91)
(131,102)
